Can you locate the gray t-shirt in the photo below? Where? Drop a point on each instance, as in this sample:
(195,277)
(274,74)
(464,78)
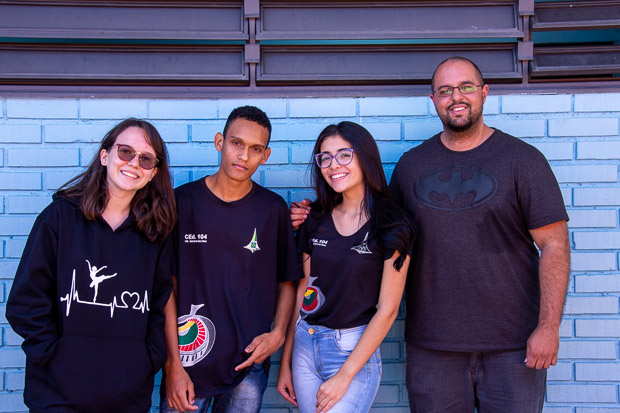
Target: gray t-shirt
(473,282)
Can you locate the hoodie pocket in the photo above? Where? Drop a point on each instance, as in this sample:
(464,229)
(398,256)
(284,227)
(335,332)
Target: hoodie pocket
(94,372)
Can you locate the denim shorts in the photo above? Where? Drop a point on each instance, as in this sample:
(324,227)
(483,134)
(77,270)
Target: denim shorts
(245,397)
(318,354)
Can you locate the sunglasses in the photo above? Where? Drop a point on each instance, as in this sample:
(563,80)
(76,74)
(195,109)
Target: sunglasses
(343,157)
(127,153)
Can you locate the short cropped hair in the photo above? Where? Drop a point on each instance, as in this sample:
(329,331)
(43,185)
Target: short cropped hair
(251,113)
(457,59)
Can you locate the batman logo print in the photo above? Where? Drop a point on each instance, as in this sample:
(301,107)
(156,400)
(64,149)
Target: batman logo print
(455,187)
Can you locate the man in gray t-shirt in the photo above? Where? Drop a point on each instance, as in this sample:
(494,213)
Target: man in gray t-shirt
(483,308)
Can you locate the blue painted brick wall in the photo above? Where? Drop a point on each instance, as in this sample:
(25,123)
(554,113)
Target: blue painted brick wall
(45,142)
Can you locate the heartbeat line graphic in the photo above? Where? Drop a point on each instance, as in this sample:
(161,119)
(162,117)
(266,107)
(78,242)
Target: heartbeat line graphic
(127,299)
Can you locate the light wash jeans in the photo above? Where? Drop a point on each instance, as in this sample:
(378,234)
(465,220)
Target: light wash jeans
(455,382)
(318,353)
(245,397)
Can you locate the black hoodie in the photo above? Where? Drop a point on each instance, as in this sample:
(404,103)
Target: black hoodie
(89,303)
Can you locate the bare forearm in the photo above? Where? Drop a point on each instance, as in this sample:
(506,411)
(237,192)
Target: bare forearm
(371,339)
(287,351)
(284,307)
(391,293)
(553,272)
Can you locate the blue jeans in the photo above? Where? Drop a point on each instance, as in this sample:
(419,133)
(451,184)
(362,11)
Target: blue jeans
(318,354)
(246,396)
(455,382)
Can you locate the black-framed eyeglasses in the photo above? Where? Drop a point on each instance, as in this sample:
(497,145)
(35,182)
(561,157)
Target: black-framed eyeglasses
(343,157)
(465,89)
(127,153)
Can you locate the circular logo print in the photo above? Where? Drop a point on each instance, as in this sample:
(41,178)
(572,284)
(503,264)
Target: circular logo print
(196,337)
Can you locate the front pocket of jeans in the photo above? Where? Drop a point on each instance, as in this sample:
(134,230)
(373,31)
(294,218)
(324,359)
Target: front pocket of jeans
(348,340)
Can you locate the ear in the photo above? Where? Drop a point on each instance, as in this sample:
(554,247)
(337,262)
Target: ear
(485,92)
(153,174)
(266,155)
(103,157)
(219,141)
(432,96)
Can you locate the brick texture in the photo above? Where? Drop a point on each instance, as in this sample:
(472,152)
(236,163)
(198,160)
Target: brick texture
(536,103)
(45,142)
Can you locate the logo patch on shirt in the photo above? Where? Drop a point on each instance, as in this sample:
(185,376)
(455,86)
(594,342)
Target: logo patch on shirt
(456,188)
(319,242)
(313,298)
(196,336)
(195,238)
(363,247)
(253,245)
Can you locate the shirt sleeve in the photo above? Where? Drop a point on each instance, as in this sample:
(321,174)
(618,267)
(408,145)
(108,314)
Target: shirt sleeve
(303,233)
(289,265)
(31,306)
(162,287)
(394,186)
(540,198)
(302,239)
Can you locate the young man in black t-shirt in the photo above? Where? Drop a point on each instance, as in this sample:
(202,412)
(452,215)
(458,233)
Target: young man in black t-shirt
(236,272)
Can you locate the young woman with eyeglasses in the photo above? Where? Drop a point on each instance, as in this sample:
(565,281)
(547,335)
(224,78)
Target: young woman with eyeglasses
(356,244)
(94,277)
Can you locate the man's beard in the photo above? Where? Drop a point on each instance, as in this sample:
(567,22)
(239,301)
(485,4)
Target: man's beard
(460,124)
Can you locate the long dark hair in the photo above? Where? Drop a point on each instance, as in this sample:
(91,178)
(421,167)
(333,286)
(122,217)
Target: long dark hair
(153,206)
(389,223)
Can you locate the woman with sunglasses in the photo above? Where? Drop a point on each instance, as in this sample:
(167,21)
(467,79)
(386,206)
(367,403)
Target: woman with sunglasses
(355,244)
(94,277)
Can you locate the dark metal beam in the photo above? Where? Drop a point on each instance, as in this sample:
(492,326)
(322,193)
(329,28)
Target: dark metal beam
(287,20)
(123,20)
(88,64)
(575,15)
(575,61)
(378,64)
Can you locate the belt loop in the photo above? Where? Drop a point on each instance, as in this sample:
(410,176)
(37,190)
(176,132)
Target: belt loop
(338,334)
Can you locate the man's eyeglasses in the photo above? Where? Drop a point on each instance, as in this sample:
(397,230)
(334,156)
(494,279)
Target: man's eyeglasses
(465,89)
(343,157)
(127,153)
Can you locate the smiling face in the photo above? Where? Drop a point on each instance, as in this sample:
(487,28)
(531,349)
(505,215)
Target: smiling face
(243,149)
(127,177)
(459,112)
(348,178)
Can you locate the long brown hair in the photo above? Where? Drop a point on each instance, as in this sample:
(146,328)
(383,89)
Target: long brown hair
(153,206)
(389,222)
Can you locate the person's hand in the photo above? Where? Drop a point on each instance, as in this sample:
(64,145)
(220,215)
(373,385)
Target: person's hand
(299,212)
(330,392)
(542,348)
(179,389)
(262,347)
(285,384)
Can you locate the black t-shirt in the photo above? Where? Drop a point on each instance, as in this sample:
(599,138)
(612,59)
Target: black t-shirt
(231,256)
(473,282)
(346,273)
